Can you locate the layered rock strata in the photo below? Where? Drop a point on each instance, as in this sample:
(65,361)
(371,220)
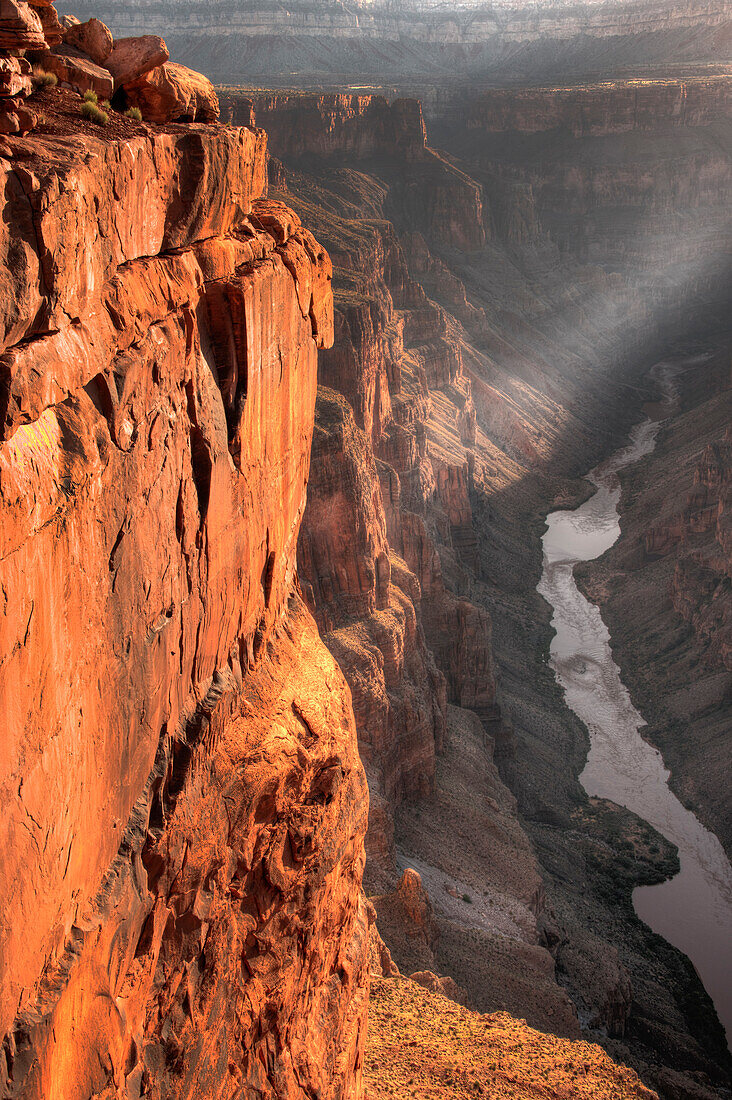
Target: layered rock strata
(675,547)
(384,43)
(183,806)
(480,383)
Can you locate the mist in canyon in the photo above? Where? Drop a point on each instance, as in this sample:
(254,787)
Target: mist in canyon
(366,567)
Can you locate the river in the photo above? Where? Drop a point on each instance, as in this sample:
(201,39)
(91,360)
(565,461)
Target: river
(692,910)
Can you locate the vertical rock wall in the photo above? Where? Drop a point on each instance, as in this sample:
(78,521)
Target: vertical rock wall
(183,807)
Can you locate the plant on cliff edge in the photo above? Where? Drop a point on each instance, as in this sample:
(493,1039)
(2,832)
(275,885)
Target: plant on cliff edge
(42,79)
(134,113)
(90,96)
(94,114)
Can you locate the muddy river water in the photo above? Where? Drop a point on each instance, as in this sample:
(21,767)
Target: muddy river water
(692,910)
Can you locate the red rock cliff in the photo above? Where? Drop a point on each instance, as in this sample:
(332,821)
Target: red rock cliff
(183,806)
(612,107)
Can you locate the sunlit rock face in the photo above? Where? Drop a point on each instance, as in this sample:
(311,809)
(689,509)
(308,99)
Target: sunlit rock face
(183,806)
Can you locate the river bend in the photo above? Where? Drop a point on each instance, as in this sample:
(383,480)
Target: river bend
(692,910)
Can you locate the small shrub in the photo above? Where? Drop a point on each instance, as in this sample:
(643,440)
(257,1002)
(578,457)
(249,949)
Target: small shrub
(467,897)
(106,105)
(42,79)
(90,96)
(134,113)
(94,114)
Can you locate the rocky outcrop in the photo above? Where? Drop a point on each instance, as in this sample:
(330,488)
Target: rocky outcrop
(701,579)
(21,29)
(92,38)
(172,93)
(433,195)
(131,58)
(615,107)
(355,126)
(366,603)
(183,806)
(71,66)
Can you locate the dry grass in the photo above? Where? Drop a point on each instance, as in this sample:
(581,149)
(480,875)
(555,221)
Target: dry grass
(422,1045)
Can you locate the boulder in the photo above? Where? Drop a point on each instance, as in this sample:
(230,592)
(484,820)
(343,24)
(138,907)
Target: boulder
(53,32)
(173,92)
(93,38)
(20,27)
(73,67)
(438,983)
(131,58)
(15,117)
(69,21)
(15,76)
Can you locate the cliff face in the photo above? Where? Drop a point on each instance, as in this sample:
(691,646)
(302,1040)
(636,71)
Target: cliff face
(616,107)
(183,807)
(675,548)
(433,195)
(381,41)
(472,382)
(353,126)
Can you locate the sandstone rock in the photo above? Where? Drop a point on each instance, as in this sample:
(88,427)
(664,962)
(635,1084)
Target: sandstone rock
(131,58)
(69,21)
(15,117)
(381,963)
(357,126)
(366,600)
(406,922)
(73,67)
(599,109)
(53,31)
(15,77)
(20,27)
(413,898)
(173,93)
(443,984)
(204,878)
(93,38)
(189,186)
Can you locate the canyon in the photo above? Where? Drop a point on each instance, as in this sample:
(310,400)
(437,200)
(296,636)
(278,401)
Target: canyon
(277,445)
(474,421)
(317,41)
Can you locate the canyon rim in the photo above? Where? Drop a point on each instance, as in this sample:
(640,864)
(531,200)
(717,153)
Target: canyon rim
(366,550)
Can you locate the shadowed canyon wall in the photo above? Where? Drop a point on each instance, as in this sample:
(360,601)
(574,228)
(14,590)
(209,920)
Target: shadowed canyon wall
(675,549)
(316,41)
(490,325)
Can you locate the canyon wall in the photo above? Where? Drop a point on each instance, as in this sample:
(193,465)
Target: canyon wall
(675,549)
(466,387)
(377,42)
(183,806)
(615,107)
